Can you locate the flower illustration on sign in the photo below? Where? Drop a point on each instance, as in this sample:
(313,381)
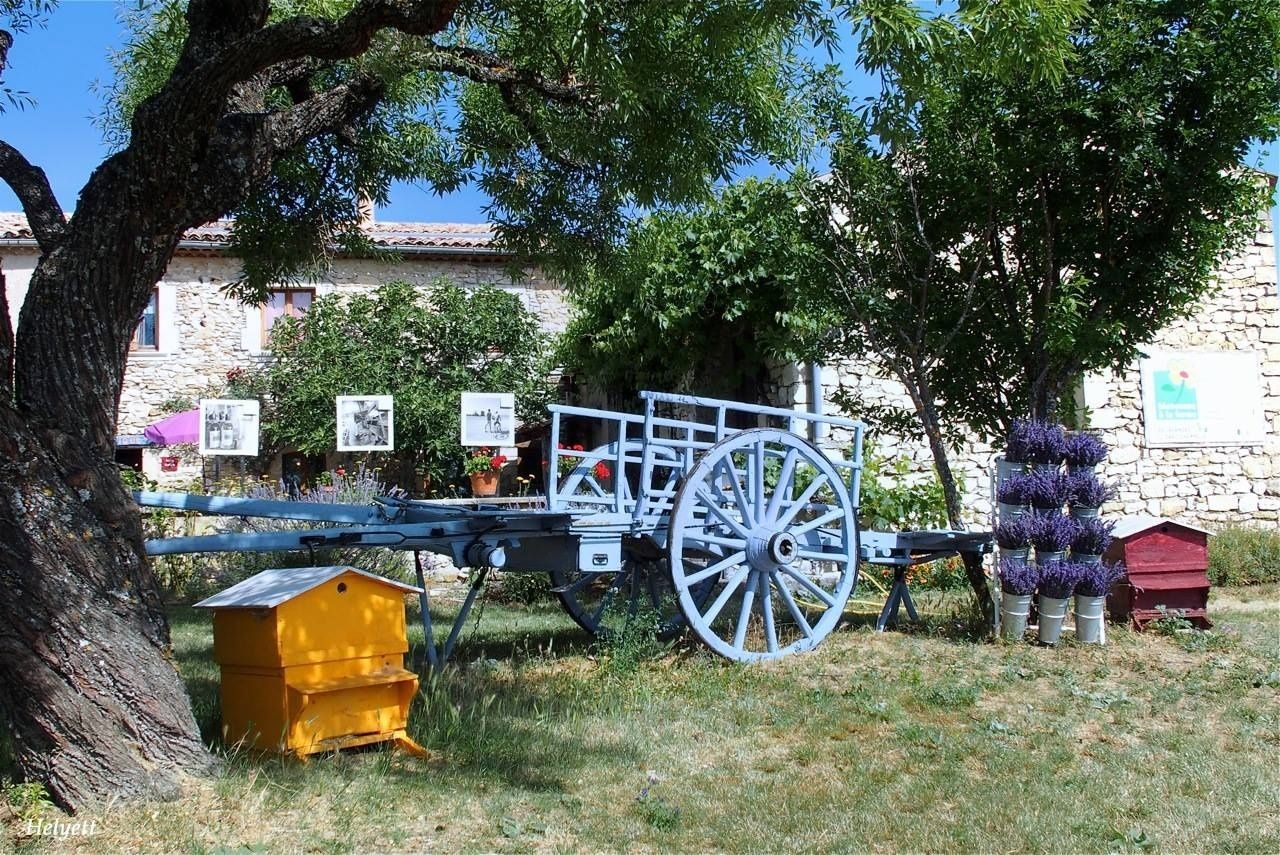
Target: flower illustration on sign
(1176,392)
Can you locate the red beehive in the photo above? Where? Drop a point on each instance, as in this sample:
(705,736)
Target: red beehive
(1167,564)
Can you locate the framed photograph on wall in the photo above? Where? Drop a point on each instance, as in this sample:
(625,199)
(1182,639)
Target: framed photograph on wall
(229,427)
(365,423)
(488,418)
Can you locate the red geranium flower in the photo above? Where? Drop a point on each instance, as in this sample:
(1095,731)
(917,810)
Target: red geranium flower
(601,470)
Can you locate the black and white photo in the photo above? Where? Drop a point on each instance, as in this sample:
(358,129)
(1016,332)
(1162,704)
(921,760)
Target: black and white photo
(228,427)
(365,423)
(488,418)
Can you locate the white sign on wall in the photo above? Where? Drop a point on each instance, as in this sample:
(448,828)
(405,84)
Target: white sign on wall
(1195,398)
(365,423)
(488,418)
(229,427)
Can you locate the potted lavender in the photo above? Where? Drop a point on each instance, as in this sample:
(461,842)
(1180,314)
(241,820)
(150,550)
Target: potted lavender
(1014,537)
(1083,451)
(1017,584)
(1086,494)
(1046,446)
(1091,595)
(1057,582)
(1012,496)
(1014,460)
(1047,489)
(1051,534)
(1093,536)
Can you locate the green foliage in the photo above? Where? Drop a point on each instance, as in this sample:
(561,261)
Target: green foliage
(522,589)
(893,499)
(425,349)
(699,300)
(658,102)
(1244,555)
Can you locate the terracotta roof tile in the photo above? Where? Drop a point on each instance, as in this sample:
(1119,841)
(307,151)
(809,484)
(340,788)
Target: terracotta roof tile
(13,226)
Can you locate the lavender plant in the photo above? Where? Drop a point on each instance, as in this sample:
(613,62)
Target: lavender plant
(1092,537)
(1046,443)
(1097,579)
(1052,532)
(1018,578)
(1017,447)
(1059,579)
(1048,489)
(1014,490)
(1086,491)
(1083,448)
(1014,533)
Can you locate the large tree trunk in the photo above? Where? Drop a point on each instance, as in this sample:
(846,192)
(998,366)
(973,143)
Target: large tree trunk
(94,703)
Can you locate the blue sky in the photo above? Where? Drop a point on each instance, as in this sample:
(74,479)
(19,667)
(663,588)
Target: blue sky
(59,65)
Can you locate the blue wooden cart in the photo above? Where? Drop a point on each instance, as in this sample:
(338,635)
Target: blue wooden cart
(718,516)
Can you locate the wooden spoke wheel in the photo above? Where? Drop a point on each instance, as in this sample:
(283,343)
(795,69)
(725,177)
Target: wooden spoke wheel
(765,518)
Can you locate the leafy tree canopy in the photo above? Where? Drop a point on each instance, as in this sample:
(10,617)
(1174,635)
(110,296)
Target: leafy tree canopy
(564,112)
(425,349)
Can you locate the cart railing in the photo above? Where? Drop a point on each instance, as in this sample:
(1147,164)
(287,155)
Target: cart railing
(653,450)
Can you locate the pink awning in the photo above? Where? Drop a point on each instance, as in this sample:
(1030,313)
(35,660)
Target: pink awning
(179,428)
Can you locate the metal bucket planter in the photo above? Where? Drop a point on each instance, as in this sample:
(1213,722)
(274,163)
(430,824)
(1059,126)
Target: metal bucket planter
(1089,617)
(1043,558)
(1014,609)
(1046,467)
(1053,611)
(1074,469)
(1006,469)
(1018,556)
(1093,560)
(1008,512)
(1080,513)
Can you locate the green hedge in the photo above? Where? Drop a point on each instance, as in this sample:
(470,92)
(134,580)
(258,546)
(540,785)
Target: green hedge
(1244,555)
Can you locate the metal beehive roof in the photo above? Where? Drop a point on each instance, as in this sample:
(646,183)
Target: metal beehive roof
(270,588)
(1128,526)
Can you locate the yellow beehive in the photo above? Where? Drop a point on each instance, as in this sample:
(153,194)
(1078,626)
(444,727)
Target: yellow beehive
(312,659)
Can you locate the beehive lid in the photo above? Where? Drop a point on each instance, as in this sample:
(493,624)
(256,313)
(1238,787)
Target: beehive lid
(270,588)
(1129,526)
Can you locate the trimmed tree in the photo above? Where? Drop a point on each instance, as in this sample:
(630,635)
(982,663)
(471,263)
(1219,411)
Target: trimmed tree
(281,115)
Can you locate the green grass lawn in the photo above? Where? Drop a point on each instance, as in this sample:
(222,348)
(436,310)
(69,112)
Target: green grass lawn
(919,741)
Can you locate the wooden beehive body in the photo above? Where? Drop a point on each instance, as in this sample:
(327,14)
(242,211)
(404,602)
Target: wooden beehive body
(1167,564)
(312,659)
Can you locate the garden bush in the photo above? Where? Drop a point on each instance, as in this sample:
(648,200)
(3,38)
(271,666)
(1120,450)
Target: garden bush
(1244,555)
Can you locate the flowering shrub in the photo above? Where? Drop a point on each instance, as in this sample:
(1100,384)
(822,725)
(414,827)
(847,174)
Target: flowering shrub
(1014,490)
(1048,489)
(1096,579)
(480,462)
(566,463)
(1060,578)
(1014,533)
(1052,532)
(1092,537)
(1083,448)
(1086,491)
(1017,577)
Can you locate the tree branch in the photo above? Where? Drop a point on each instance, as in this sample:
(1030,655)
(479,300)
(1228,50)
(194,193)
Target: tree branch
(31,186)
(484,67)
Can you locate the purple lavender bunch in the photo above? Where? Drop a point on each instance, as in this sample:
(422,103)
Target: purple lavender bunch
(1083,448)
(1060,578)
(1086,491)
(1018,578)
(1092,537)
(1017,447)
(1048,489)
(1046,443)
(1014,490)
(1014,533)
(1052,532)
(1097,579)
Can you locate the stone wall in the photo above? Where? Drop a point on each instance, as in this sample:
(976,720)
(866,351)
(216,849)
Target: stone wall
(1205,486)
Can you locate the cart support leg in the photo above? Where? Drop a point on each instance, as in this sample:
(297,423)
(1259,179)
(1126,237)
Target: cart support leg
(476,585)
(899,595)
(429,638)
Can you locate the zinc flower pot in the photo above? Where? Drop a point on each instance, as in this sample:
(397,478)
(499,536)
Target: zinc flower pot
(1081,469)
(1018,556)
(1008,512)
(1043,558)
(1053,610)
(1086,558)
(1079,513)
(1014,609)
(1006,469)
(1051,468)
(1089,617)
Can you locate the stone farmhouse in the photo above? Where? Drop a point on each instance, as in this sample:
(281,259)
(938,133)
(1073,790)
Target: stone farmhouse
(1194,429)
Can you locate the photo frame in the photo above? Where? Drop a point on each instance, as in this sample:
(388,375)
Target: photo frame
(229,427)
(488,419)
(365,423)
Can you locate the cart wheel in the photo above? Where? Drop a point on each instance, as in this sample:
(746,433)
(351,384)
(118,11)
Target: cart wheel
(640,594)
(767,519)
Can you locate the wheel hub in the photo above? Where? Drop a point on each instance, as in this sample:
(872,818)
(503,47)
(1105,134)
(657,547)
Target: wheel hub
(768,549)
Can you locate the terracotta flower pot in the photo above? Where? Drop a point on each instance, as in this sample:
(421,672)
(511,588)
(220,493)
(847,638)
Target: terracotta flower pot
(484,483)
